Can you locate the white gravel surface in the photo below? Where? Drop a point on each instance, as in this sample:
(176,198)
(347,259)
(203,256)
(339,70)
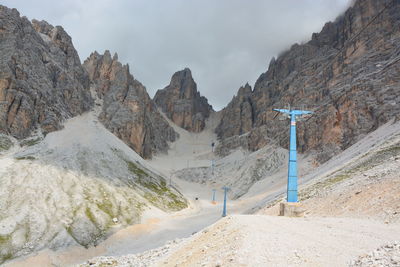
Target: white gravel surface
(258,240)
(386,255)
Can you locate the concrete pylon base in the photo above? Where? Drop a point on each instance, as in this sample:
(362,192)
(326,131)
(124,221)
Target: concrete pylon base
(291,209)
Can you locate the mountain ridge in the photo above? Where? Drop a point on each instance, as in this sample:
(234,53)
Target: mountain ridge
(353,82)
(42,82)
(127,109)
(75,181)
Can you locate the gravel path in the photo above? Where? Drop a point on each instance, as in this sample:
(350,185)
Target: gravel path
(259,240)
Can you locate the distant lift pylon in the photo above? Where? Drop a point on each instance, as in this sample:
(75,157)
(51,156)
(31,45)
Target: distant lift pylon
(292,169)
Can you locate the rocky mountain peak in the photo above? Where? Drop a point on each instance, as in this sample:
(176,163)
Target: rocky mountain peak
(182,103)
(127,110)
(244,90)
(58,36)
(348,73)
(237,117)
(115,58)
(42,81)
(183,81)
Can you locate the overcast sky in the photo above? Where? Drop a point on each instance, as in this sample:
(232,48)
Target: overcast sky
(225,43)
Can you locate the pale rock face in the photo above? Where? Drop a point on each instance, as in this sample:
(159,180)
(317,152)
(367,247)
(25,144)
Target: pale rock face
(42,81)
(354,85)
(128,111)
(182,103)
(73,187)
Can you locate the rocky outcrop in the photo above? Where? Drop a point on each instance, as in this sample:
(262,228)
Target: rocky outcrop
(127,110)
(182,103)
(349,74)
(42,81)
(238,115)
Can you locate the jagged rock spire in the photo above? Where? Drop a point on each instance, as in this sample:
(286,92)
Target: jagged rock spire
(128,111)
(182,103)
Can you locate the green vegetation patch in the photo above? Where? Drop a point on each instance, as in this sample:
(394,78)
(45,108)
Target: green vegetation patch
(106,206)
(163,197)
(134,169)
(4,239)
(92,240)
(25,158)
(5,257)
(160,195)
(31,142)
(105,203)
(90,215)
(4,242)
(391,150)
(176,203)
(158,189)
(71,233)
(5,143)
(151,198)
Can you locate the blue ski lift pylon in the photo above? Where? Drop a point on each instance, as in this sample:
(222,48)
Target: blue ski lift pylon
(292,168)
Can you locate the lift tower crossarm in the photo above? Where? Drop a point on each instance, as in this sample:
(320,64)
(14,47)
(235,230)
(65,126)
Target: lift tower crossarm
(294,112)
(292,170)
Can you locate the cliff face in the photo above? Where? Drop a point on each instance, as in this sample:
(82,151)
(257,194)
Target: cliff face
(182,103)
(42,81)
(127,111)
(352,82)
(238,115)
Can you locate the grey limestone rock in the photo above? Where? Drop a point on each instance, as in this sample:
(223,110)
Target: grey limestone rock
(42,81)
(182,103)
(353,84)
(128,111)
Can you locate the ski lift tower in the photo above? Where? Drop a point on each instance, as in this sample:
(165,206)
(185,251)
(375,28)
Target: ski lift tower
(292,169)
